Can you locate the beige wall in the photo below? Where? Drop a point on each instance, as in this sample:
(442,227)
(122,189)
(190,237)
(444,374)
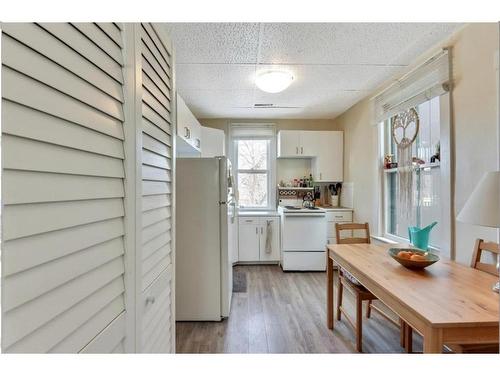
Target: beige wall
(475,122)
(360,160)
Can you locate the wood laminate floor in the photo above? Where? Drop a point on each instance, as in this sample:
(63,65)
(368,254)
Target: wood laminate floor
(285,312)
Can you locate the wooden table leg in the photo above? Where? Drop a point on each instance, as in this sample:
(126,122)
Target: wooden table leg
(329,291)
(408,338)
(433,341)
(402,332)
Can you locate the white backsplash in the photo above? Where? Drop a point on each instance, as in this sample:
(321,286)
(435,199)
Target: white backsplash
(347,195)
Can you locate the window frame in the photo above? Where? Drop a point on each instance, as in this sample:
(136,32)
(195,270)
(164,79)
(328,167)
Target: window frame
(447,219)
(271,162)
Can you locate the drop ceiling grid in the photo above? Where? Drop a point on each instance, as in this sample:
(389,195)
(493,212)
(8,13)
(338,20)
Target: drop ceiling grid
(334,64)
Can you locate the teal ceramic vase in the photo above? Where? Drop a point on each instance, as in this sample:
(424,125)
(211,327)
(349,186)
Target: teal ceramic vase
(419,237)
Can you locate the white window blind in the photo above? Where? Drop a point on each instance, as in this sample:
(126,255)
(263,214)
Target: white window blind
(254,131)
(427,81)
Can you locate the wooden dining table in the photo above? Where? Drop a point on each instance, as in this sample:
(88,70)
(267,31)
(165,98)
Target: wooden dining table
(447,303)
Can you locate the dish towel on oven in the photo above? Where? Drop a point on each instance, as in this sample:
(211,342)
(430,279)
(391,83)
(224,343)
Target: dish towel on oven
(269,237)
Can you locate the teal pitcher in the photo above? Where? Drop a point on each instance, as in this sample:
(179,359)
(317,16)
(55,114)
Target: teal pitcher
(419,237)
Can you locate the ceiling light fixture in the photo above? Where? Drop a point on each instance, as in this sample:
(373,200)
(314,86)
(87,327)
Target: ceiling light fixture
(273,81)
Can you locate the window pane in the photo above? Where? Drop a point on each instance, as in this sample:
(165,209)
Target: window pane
(252,154)
(429,203)
(426,181)
(252,189)
(399,222)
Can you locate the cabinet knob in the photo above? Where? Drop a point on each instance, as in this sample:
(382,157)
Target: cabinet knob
(261,230)
(296,150)
(150,300)
(256,230)
(301,149)
(186,132)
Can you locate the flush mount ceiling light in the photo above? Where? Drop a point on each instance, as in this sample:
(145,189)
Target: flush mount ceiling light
(273,81)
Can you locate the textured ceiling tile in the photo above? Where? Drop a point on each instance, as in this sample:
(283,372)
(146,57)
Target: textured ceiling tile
(335,65)
(215,76)
(335,77)
(328,101)
(213,103)
(346,43)
(215,42)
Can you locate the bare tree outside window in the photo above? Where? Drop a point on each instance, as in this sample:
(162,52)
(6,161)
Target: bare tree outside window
(253,172)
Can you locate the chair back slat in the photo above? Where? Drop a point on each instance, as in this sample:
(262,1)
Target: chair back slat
(479,247)
(350,227)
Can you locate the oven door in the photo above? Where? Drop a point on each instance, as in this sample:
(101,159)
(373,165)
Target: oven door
(304,232)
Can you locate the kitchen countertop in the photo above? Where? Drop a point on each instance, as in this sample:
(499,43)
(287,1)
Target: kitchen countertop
(330,208)
(257,213)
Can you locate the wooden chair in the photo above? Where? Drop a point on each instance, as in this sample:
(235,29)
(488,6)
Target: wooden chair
(346,280)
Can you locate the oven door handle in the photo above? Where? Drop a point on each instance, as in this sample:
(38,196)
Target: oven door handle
(305,215)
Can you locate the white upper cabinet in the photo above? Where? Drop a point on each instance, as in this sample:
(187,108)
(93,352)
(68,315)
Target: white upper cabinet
(288,143)
(325,148)
(213,142)
(328,165)
(298,143)
(309,141)
(188,130)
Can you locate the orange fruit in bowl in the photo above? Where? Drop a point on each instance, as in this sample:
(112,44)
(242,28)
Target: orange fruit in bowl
(405,254)
(418,257)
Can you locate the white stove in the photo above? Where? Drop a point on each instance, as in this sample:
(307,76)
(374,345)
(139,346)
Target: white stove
(303,233)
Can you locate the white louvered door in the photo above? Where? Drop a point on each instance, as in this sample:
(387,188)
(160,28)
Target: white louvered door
(86,261)
(62,154)
(157,332)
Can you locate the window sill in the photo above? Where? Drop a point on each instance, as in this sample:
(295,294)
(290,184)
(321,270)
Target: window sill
(417,167)
(385,240)
(402,242)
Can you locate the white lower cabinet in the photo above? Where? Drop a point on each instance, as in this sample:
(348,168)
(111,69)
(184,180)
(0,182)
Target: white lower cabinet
(334,216)
(252,239)
(248,240)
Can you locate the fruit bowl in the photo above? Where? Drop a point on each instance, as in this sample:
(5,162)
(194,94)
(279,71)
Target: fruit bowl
(428,258)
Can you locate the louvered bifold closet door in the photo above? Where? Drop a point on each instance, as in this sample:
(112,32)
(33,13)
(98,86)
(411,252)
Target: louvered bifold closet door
(156,268)
(63,188)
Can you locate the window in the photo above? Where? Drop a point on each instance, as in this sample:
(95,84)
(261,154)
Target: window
(427,198)
(253,150)
(253,172)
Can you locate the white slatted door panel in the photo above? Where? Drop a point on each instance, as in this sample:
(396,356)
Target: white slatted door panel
(157,319)
(63,188)
(156,253)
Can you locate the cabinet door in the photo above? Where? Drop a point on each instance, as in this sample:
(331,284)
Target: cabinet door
(288,143)
(328,165)
(213,142)
(183,119)
(274,254)
(195,135)
(308,143)
(248,240)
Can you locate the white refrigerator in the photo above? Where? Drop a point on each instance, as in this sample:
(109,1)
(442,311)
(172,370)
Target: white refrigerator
(205,217)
